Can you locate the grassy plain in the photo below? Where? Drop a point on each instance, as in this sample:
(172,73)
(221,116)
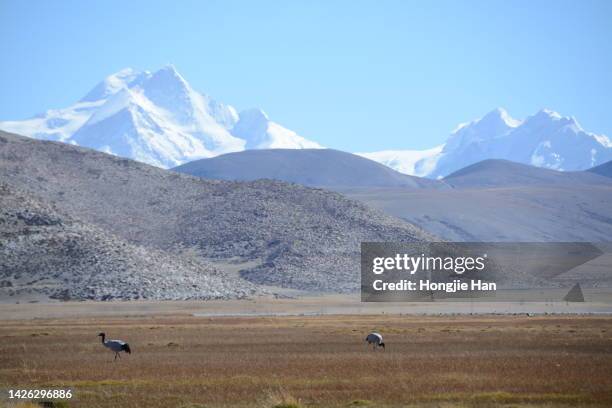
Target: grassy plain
(315,361)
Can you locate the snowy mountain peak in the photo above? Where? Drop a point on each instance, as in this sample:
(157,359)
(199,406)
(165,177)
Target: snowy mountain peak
(497,118)
(169,90)
(260,132)
(500,114)
(157,118)
(493,125)
(548,117)
(112,84)
(549,113)
(167,78)
(545,139)
(170,70)
(543,116)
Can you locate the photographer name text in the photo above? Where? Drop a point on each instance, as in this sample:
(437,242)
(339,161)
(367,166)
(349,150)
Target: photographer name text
(429,286)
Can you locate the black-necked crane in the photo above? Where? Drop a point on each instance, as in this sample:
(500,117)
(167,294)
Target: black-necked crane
(376,340)
(115,345)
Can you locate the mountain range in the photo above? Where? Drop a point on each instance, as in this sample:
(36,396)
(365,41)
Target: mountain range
(80,224)
(492,200)
(545,139)
(156,118)
(502,201)
(91,211)
(159,119)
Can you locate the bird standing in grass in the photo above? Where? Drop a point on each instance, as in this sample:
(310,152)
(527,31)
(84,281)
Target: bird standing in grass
(115,345)
(376,340)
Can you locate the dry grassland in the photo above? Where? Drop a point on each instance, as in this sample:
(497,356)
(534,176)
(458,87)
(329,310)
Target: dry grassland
(315,361)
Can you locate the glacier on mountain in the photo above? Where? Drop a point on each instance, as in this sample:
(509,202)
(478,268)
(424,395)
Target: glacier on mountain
(159,119)
(545,139)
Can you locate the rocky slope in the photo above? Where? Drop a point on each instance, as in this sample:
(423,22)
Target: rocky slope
(45,252)
(303,238)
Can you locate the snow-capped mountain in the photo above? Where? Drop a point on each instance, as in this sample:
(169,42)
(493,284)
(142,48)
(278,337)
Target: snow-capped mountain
(412,162)
(157,118)
(259,132)
(545,139)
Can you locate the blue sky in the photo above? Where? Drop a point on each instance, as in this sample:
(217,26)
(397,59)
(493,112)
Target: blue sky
(353,75)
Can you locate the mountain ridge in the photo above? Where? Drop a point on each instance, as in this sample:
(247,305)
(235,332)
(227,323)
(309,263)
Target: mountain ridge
(545,139)
(156,118)
(498,200)
(159,119)
(326,168)
(291,236)
(505,173)
(604,169)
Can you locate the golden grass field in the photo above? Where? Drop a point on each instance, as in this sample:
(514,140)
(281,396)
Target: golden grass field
(322,361)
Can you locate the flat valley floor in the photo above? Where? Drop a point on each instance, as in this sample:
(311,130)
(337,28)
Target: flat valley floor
(182,360)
